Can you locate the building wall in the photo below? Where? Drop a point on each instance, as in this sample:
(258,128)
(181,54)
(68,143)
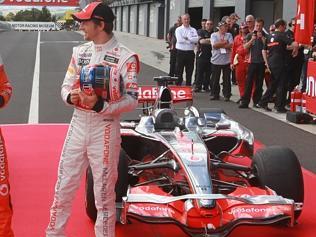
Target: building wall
(177,8)
(118,18)
(154,18)
(225,3)
(241,9)
(289,11)
(125,19)
(196,3)
(142,19)
(133,19)
(264,9)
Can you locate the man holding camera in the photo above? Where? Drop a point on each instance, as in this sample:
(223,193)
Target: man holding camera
(255,43)
(5,200)
(94,133)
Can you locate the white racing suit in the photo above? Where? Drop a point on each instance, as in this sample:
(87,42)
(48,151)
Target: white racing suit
(94,137)
(5,199)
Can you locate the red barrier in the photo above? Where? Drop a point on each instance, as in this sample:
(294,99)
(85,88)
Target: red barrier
(311,88)
(296,101)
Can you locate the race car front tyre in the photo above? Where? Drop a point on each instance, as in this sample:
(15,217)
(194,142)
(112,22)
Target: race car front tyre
(278,168)
(120,187)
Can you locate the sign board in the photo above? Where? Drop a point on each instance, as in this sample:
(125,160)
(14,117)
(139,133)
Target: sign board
(179,93)
(32,26)
(32,3)
(311,87)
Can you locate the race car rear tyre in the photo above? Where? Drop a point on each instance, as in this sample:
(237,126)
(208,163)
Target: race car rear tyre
(120,187)
(278,168)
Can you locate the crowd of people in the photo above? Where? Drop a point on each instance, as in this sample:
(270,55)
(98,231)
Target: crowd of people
(245,54)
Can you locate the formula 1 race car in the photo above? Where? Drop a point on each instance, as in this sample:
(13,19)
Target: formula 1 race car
(199,171)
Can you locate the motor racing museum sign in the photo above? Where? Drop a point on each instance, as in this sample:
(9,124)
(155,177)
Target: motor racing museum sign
(68,3)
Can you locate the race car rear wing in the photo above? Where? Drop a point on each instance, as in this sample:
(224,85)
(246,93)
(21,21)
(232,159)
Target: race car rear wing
(179,93)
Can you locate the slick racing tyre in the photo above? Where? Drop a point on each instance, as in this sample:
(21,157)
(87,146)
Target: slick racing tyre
(120,187)
(278,168)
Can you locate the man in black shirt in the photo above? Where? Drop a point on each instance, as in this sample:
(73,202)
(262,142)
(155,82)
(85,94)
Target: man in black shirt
(204,55)
(255,43)
(294,65)
(234,29)
(172,40)
(277,48)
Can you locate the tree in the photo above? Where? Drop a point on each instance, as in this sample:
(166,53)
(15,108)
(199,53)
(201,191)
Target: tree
(34,15)
(10,16)
(45,15)
(28,15)
(2,18)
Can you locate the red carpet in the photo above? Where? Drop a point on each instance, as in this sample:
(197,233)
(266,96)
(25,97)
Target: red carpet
(33,152)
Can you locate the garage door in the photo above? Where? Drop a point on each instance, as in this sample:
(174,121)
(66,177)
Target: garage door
(224,3)
(195,3)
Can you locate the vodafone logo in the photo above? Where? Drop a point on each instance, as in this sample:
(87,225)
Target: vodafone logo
(247,210)
(4,190)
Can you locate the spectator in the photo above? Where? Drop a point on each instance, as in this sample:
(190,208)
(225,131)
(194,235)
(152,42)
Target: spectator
(172,40)
(203,25)
(221,52)
(294,64)
(204,65)
(255,43)
(234,26)
(198,48)
(186,39)
(274,55)
(267,73)
(250,21)
(230,23)
(240,58)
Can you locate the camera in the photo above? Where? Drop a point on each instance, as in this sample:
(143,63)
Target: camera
(168,45)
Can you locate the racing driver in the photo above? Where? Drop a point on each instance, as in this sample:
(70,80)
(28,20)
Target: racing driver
(94,133)
(5,202)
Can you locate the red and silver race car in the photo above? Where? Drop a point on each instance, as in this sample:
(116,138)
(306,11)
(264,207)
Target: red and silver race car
(199,170)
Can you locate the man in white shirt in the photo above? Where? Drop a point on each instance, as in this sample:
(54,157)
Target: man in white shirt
(187,38)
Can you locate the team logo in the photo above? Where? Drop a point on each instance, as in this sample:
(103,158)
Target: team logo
(130,85)
(131,67)
(4,190)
